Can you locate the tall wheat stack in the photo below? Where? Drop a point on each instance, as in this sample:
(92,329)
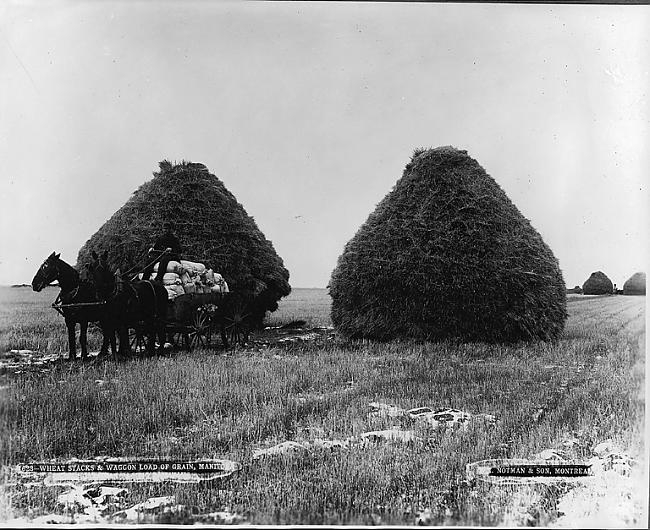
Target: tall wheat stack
(447,254)
(598,283)
(212,226)
(635,284)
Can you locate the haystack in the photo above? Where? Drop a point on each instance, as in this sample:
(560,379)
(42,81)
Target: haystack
(213,229)
(598,283)
(635,284)
(446,254)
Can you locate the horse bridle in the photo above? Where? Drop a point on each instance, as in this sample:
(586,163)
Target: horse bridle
(53,264)
(45,266)
(128,284)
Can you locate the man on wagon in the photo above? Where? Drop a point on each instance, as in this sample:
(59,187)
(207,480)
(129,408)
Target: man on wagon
(166,248)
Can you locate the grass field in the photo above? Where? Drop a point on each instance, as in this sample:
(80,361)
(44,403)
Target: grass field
(588,387)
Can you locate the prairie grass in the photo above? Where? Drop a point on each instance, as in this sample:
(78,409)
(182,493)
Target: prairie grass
(227,404)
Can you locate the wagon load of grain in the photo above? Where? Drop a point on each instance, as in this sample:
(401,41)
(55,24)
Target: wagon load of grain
(598,283)
(213,229)
(635,284)
(447,254)
(190,281)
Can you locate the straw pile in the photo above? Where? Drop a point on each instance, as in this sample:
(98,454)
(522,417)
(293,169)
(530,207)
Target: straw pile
(213,229)
(598,283)
(447,254)
(635,284)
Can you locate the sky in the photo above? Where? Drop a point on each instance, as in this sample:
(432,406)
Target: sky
(308,113)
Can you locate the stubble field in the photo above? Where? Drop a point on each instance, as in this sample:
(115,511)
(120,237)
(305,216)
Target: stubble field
(570,395)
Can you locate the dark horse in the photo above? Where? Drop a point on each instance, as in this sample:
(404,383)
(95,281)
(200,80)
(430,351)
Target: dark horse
(139,305)
(74,291)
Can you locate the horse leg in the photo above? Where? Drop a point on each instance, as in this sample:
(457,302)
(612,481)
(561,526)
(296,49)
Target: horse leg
(105,338)
(116,333)
(158,328)
(83,339)
(109,330)
(125,347)
(112,332)
(72,343)
(128,352)
(163,336)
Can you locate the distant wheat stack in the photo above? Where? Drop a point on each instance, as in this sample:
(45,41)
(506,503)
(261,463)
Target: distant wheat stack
(598,283)
(212,226)
(635,284)
(447,254)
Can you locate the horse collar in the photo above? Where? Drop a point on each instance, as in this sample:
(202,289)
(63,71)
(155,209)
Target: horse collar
(70,295)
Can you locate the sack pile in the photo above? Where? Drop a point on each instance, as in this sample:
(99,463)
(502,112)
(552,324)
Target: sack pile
(186,277)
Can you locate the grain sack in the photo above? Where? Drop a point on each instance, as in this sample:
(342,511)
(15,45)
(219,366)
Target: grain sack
(209,277)
(171,278)
(189,288)
(190,265)
(172,266)
(185,278)
(174,290)
(221,283)
(192,276)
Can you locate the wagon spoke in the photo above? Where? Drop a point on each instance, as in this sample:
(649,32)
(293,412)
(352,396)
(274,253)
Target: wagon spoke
(199,330)
(236,326)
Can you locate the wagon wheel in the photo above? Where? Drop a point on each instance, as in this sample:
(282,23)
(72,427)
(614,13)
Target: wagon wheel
(137,341)
(236,324)
(200,330)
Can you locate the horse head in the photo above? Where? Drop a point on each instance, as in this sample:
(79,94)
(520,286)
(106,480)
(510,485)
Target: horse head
(47,273)
(101,275)
(123,297)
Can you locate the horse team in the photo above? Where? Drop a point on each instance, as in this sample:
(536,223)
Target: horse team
(106,298)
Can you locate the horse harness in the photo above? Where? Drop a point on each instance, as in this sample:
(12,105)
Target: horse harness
(136,294)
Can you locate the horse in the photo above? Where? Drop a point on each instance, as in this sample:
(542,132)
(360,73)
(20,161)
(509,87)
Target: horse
(138,305)
(73,291)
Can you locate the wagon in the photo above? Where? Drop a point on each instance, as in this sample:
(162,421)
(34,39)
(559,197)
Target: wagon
(194,320)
